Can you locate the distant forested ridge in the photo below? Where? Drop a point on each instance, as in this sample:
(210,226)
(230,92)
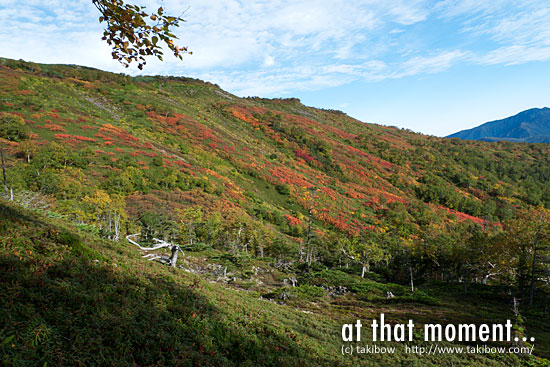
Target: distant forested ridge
(530,126)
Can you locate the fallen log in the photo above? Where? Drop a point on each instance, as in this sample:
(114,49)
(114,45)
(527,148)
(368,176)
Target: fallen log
(170,260)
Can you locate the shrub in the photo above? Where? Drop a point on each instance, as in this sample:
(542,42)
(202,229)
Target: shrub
(309,292)
(283,189)
(12,127)
(302,292)
(329,278)
(196,247)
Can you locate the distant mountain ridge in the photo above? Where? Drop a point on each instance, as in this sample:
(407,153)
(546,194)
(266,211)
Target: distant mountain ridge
(530,126)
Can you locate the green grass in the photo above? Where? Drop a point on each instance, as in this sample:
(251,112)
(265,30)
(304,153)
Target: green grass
(72,299)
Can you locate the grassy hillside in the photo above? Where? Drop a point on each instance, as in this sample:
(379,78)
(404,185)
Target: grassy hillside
(70,298)
(259,193)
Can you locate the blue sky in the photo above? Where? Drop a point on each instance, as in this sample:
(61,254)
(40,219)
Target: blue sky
(431,66)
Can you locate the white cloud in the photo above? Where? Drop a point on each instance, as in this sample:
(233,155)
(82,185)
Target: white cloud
(408,12)
(429,64)
(269,48)
(269,61)
(514,55)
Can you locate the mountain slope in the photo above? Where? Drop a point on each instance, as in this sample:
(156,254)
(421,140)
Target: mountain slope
(530,126)
(83,301)
(70,298)
(155,146)
(261,194)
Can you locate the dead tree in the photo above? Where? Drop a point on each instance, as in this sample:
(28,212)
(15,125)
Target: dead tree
(169,260)
(6,193)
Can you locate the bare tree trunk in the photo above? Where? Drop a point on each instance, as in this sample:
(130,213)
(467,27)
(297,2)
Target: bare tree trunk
(366,267)
(532,286)
(310,256)
(238,244)
(174,257)
(4,173)
(191,232)
(116,237)
(412,279)
(109,223)
(174,249)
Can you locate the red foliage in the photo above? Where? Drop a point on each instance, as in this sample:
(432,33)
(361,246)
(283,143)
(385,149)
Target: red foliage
(62,136)
(292,221)
(288,176)
(172,121)
(85,138)
(355,195)
(26,92)
(329,192)
(303,154)
(54,127)
(463,216)
(359,152)
(54,115)
(153,115)
(110,132)
(74,138)
(244,114)
(338,222)
(209,134)
(234,195)
(392,198)
(141,152)
(183,164)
